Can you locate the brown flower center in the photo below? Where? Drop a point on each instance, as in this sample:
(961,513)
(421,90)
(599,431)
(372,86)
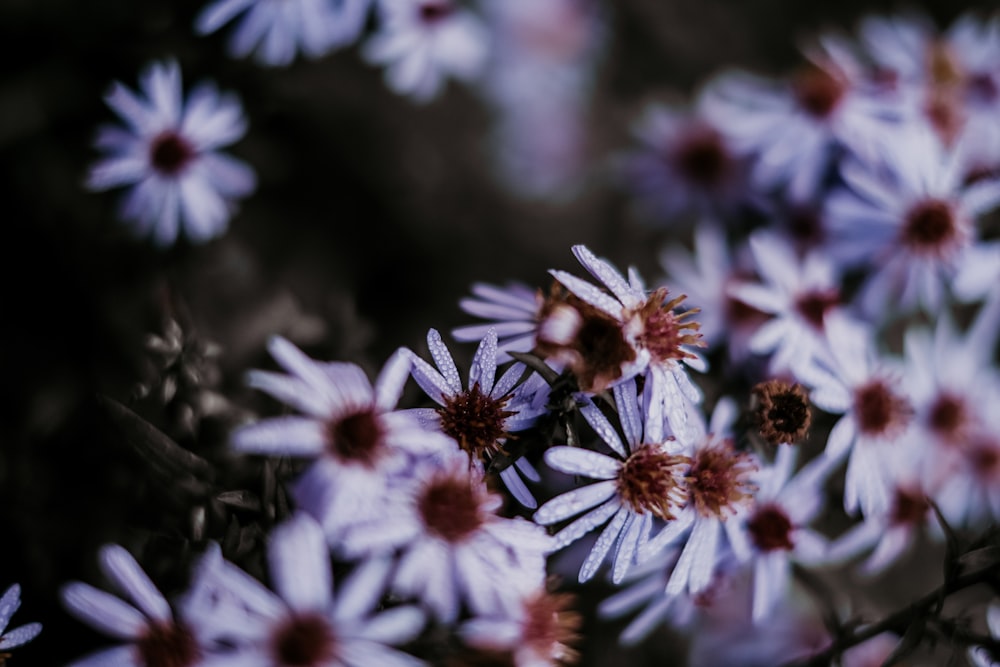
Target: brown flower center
(170,153)
(782,413)
(815,304)
(719,479)
(931,228)
(475,420)
(663,331)
(651,481)
(909,506)
(817,91)
(984,455)
(305,640)
(948,416)
(880,411)
(550,625)
(450,507)
(168,645)
(432,12)
(770,528)
(701,157)
(357,437)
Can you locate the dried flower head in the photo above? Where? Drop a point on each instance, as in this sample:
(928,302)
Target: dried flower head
(782,412)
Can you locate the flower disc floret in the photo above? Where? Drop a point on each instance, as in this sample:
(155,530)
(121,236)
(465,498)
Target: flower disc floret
(168,645)
(880,411)
(770,528)
(931,228)
(476,421)
(818,91)
(651,480)
(357,437)
(664,332)
(702,158)
(719,479)
(304,640)
(450,508)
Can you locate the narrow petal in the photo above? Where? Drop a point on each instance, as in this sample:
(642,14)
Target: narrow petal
(300,564)
(122,569)
(103,611)
(573,502)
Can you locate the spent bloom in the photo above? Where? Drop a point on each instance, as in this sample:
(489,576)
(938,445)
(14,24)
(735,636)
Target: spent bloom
(167,156)
(276,29)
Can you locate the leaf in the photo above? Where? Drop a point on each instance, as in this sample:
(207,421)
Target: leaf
(241,500)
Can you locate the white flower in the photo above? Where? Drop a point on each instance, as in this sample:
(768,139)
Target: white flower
(482,417)
(305,624)
(348,427)
(454,548)
(22,634)
(168,157)
(276,29)
(797,293)
(423,42)
(644,480)
(512,311)
(153,634)
(978,655)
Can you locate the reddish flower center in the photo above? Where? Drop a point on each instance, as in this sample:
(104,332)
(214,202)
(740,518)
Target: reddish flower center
(770,528)
(701,157)
(170,153)
(305,640)
(908,507)
(984,455)
(948,416)
(817,91)
(815,304)
(880,411)
(168,645)
(663,331)
(550,625)
(719,479)
(357,437)
(450,508)
(805,226)
(651,481)
(433,12)
(930,227)
(475,420)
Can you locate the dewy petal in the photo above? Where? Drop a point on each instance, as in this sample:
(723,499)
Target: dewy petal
(605,541)
(600,423)
(122,569)
(445,363)
(608,275)
(592,295)
(20,635)
(585,524)
(573,502)
(631,534)
(300,564)
(484,363)
(9,603)
(103,611)
(512,480)
(697,562)
(627,402)
(579,461)
(666,537)
(430,380)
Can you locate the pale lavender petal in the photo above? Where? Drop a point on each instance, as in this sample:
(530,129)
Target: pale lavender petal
(573,502)
(390,382)
(599,422)
(103,611)
(122,569)
(592,295)
(605,541)
(300,564)
(282,436)
(9,603)
(484,364)
(118,656)
(608,275)
(579,461)
(585,524)
(442,357)
(20,635)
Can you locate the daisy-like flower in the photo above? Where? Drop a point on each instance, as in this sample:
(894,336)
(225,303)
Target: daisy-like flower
(642,482)
(348,427)
(607,338)
(798,294)
(777,527)
(683,164)
(424,42)
(979,656)
(482,417)
(155,636)
(276,29)
(454,548)
(168,156)
(795,130)
(22,634)
(851,379)
(513,311)
(910,229)
(705,276)
(539,633)
(303,623)
(720,489)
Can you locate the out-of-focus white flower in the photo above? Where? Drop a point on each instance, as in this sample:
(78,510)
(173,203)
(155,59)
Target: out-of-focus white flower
(167,156)
(482,416)
(349,428)
(797,293)
(908,218)
(277,29)
(512,311)
(153,633)
(979,656)
(22,634)
(422,43)
(305,623)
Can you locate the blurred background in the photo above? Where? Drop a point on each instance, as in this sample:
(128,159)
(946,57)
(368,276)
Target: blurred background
(372,216)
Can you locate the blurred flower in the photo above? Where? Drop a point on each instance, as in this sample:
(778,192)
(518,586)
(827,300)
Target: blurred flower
(276,29)
(423,42)
(513,312)
(979,656)
(22,634)
(179,182)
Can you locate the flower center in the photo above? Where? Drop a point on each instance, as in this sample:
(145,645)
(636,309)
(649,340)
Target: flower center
(984,455)
(433,12)
(817,91)
(783,414)
(805,226)
(719,480)
(550,625)
(168,645)
(170,153)
(475,420)
(880,412)
(304,641)
(450,507)
(814,305)
(357,437)
(770,528)
(652,481)
(908,507)
(948,416)
(664,332)
(931,228)
(702,158)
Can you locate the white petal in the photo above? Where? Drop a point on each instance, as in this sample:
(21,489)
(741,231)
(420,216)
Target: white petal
(300,564)
(579,461)
(122,569)
(573,502)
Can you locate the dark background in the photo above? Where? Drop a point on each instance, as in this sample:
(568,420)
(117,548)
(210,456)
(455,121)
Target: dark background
(372,217)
